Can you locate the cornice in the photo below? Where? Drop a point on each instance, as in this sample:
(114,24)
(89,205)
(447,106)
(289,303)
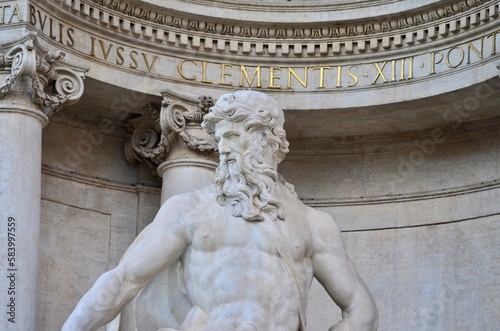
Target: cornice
(299,40)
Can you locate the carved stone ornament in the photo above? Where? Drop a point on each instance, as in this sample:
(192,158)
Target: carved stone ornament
(176,117)
(18,58)
(147,142)
(54,84)
(153,133)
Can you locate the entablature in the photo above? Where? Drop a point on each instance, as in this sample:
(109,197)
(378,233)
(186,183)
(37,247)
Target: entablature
(307,39)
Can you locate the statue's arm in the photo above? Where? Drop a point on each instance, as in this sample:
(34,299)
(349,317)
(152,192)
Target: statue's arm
(336,272)
(156,247)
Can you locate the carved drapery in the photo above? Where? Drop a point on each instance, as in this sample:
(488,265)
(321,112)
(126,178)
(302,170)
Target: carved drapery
(154,133)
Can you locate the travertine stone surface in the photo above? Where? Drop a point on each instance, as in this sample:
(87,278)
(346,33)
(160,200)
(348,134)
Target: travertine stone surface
(442,278)
(66,229)
(103,228)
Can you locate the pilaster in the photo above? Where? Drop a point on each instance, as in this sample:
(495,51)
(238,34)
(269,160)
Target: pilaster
(34,83)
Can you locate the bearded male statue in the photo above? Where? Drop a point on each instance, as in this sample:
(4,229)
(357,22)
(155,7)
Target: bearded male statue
(248,247)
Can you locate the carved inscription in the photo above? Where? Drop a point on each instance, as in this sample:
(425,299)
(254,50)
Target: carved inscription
(54,29)
(10,13)
(340,76)
(98,48)
(122,55)
(268,77)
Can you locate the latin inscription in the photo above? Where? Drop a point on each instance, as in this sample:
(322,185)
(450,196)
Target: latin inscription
(10,13)
(95,47)
(329,76)
(122,55)
(340,76)
(52,28)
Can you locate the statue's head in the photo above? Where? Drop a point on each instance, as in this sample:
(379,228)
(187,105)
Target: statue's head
(256,111)
(248,127)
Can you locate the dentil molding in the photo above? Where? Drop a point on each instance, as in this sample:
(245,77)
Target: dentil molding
(305,39)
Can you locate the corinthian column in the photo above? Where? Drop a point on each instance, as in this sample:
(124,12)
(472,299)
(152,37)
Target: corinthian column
(175,147)
(33,85)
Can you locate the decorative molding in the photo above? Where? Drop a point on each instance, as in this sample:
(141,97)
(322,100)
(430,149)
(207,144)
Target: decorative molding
(98,182)
(416,196)
(154,133)
(55,83)
(372,35)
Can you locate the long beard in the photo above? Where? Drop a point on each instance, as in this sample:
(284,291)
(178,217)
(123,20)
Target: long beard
(248,186)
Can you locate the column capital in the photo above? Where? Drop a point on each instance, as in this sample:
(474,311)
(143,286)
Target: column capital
(172,131)
(183,115)
(17,58)
(54,81)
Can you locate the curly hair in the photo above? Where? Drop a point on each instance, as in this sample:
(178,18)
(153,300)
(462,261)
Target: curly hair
(255,110)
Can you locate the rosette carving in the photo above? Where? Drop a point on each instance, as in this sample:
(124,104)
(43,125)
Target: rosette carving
(55,84)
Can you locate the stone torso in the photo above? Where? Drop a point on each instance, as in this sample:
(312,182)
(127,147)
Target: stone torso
(234,275)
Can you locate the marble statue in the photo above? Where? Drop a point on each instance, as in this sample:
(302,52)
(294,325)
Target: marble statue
(249,248)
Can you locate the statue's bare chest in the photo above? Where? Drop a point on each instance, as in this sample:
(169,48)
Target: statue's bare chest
(222,234)
(234,234)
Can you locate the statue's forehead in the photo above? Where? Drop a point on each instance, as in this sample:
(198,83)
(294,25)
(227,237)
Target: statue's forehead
(223,126)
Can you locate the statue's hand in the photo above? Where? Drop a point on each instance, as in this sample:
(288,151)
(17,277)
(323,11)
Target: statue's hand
(343,325)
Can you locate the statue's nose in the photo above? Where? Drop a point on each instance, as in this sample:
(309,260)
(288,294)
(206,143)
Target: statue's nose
(224,147)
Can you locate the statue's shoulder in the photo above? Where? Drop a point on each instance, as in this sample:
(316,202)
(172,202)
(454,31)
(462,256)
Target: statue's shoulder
(192,201)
